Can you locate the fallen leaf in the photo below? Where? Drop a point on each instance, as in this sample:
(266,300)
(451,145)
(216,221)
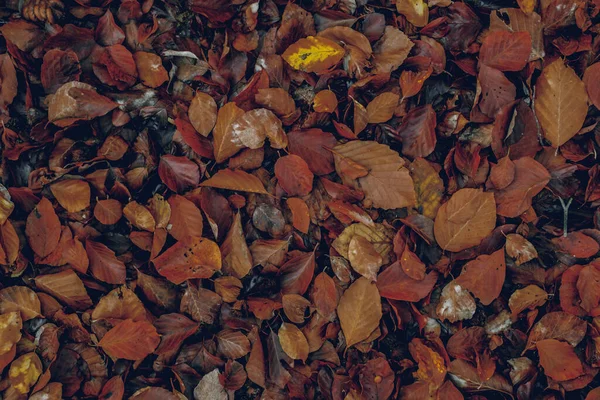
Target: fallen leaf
(233,344)
(235,180)
(203,113)
(75,101)
(130,340)
(237,259)
(557,325)
(506,51)
(359,311)
(456,304)
(21,299)
(199,258)
(381,108)
(559,360)
(293,175)
(139,216)
(529,297)
(364,258)
(417,132)
(561,102)
(67,287)
(313,54)
(463,221)
(10,330)
(484,276)
(43,228)
(293,341)
(388,184)
(178,173)
(312,145)
(73,195)
(415,11)
(104,265)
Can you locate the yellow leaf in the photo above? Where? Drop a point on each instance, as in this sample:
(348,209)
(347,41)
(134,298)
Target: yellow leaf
(293,342)
(415,11)
(313,54)
(24,372)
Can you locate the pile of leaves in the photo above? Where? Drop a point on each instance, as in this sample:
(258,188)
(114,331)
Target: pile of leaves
(262,199)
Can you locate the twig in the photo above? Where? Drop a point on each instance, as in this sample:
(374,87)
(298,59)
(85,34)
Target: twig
(565,213)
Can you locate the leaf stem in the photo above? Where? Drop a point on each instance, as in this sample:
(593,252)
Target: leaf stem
(565,213)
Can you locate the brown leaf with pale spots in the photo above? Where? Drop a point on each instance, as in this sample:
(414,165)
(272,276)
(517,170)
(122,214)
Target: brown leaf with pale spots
(520,248)
(359,311)
(233,344)
(364,258)
(558,325)
(22,299)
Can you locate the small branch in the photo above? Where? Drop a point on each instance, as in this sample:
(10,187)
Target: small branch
(565,213)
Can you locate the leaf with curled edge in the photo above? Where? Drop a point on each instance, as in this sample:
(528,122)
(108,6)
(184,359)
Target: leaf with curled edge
(104,265)
(237,180)
(388,184)
(75,101)
(464,375)
(464,220)
(197,258)
(359,311)
(515,20)
(561,102)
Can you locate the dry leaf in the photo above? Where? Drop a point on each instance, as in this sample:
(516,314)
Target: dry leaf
(359,311)
(21,299)
(130,340)
(199,258)
(364,258)
(203,113)
(73,195)
(559,360)
(561,102)
(293,341)
(381,108)
(237,260)
(415,11)
(463,221)
(43,228)
(529,297)
(484,276)
(456,304)
(313,54)
(235,180)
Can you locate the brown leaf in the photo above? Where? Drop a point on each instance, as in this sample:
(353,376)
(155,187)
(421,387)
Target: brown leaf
(484,276)
(529,297)
(113,389)
(186,220)
(391,50)
(150,69)
(120,303)
(43,228)
(530,178)
(561,102)
(203,113)
(364,258)
(130,340)
(10,330)
(295,307)
(520,249)
(173,330)
(139,216)
(24,373)
(293,342)
(557,325)
(412,265)
(312,145)
(577,244)
(325,101)
(559,360)
(237,260)
(415,11)
(588,286)
(76,101)
(463,221)
(108,212)
(270,251)
(297,273)
(224,144)
(388,184)
(199,258)
(201,304)
(277,100)
(300,214)
(506,51)
(21,299)
(515,20)
(66,287)
(431,365)
(591,79)
(465,376)
(379,235)
(359,311)
(381,108)
(235,180)
(8,77)
(104,265)
(456,304)
(394,283)
(233,344)
(58,68)
(293,175)
(417,132)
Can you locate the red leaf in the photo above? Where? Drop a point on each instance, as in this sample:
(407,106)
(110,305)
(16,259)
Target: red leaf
(297,273)
(311,145)
(58,68)
(417,132)
(506,51)
(103,263)
(178,173)
(43,228)
(293,175)
(116,67)
(559,360)
(174,329)
(484,276)
(394,284)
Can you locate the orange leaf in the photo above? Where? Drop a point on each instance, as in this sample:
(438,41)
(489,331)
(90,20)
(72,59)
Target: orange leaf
(293,342)
(415,11)
(10,331)
(300,215)
(237,260)
(108,212)
(381,108)
(199,258)
(561,102)
(186,220)
(73,194)
(235,180)
(484,276)
(21,299)
(150,69)
(559,360)
(130,340)
(293,175)
(506,51)
(529,297)
(325,101)
(463,221)
(393,283)
(120,303)
(139,216)
(359,311)
(66,287)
